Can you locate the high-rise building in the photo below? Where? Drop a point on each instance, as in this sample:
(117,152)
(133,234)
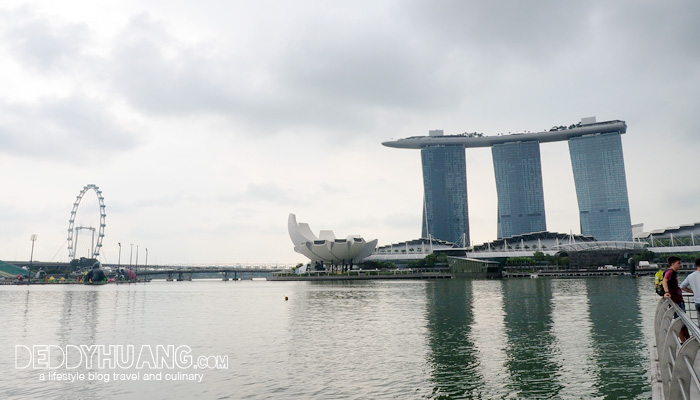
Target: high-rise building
(599,173)
(445,212)
(601,186)
(518,171)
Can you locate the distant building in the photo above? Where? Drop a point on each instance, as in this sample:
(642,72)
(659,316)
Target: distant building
(445,211)
(687,235)
(326,248)
(518,173)
(403,253)
(601,186)
(584,252)
(677,240)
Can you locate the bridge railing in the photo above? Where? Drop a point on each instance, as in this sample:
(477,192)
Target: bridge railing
(679,364)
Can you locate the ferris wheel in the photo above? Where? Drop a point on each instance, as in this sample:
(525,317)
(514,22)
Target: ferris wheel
(99,230)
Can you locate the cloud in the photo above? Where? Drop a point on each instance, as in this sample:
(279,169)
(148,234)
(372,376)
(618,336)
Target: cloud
(330,77)
(44,46)
(64,129)
(268,192)
(158,74)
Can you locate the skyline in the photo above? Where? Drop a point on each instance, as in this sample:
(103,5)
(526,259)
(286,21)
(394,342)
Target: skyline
(206,125)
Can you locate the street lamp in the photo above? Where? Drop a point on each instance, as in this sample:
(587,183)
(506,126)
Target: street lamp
(146,263)
(31,256)
(130,253)
(137,259)
(119,263)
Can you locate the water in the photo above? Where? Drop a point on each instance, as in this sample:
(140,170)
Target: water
(440,339)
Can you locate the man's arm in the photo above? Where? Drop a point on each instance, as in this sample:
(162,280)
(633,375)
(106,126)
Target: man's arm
(684,286)
(665,285)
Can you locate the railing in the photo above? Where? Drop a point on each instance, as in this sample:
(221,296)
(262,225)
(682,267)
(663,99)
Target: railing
(679,363)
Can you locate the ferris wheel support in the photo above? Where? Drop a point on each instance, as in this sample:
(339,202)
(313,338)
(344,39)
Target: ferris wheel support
(95,249)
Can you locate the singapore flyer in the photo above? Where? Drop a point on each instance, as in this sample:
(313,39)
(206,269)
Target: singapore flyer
(88,217)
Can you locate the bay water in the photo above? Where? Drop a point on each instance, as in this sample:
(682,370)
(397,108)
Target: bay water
(409,339)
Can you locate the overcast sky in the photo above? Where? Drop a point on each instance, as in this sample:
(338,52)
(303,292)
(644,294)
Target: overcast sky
(206,123)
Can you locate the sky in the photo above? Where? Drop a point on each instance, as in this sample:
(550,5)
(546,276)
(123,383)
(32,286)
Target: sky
(206,123)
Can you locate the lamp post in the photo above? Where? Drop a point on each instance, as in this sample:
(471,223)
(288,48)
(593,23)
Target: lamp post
(131,252)
(137,260)
(119,263)
(146,263)
(31,256)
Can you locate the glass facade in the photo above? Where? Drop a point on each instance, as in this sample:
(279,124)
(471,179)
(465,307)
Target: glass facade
(601,186)
(518,171)
(445,212)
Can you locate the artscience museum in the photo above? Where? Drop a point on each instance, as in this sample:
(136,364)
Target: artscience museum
(326,248)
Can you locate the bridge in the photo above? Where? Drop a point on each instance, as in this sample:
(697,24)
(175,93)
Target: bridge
(183,271)
(186,273)
(675,364)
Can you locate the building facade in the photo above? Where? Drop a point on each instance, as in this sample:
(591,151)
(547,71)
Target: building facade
(518,172)
(445,210)
(601,186)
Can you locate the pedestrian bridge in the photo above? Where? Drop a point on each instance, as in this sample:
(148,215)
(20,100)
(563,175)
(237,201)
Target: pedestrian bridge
(675,365)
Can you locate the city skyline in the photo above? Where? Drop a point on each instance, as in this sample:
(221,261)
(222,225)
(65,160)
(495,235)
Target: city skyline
(206,125)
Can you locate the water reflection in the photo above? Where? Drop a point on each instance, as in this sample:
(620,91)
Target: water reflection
(487,332)
(619,347)
(453,355)
(356,340)
(532,356)
(571,325)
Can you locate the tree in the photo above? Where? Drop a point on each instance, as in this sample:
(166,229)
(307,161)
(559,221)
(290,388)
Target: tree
(538,256)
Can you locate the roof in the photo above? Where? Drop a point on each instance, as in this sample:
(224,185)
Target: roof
(417,142)
(686,228)
(534,237)
(476,260)
(601,245)
(11,269)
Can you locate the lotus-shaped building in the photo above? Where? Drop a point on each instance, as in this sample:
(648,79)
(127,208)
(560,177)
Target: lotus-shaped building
(326,247)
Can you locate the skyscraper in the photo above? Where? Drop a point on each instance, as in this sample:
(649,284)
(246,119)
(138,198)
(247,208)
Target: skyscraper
(518,171)
(599,172)
(601,186)
(445,212)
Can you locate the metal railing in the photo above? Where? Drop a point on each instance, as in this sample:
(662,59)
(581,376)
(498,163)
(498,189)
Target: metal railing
(679,363)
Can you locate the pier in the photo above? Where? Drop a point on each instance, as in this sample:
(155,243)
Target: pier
(564,273)
(437,273)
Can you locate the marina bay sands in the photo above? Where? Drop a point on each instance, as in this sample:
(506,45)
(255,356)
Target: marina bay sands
(598,167)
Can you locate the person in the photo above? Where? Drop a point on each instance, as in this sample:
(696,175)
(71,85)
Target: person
(670,282)
(673,290)
(691,284)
